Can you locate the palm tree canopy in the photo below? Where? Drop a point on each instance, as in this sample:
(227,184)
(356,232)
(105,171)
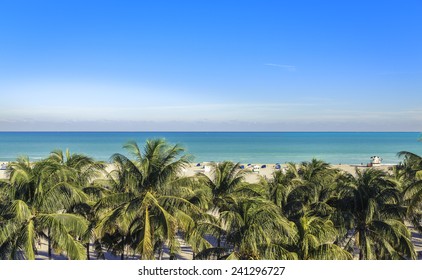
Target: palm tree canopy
(34,208)
(151,201)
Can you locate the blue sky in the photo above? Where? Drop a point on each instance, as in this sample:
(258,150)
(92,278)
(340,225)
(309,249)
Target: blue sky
(211,65)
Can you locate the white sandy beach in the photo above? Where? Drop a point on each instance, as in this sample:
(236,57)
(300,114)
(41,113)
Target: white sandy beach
(254,176)
(251,176)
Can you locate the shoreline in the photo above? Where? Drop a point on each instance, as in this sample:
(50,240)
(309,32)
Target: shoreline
(253,175)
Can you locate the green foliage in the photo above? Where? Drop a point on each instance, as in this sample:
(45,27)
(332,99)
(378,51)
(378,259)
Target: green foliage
(37,203)
(308,211)
(374,207)
(149,202)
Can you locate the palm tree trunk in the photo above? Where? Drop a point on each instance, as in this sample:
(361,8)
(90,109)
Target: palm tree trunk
(362,245)
(87,251)
(161,251)
(350,239)
(122,256)
(49,244)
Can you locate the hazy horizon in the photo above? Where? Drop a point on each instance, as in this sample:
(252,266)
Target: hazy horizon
(211,66)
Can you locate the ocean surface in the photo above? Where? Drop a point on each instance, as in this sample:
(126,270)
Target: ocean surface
(244,147)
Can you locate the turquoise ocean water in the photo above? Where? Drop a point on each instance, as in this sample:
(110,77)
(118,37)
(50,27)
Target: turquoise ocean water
(245,147)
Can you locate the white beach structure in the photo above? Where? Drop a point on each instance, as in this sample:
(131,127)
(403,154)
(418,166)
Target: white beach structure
(376,160)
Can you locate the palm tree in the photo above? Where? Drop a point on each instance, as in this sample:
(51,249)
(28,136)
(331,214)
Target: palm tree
(316,239)
(244,218)
(225,184)
(226,178)
(253,227)
(373,202)
(411,165)
(281,188)
(409,175)
(82,172)
(150,203)
(34,208)
(307,186)
(305,194)
(77,168)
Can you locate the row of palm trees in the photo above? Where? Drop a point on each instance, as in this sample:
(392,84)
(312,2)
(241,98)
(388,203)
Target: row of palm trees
(144,206)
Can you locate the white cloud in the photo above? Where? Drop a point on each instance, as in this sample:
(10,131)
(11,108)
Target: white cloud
(289,68)
(118,106)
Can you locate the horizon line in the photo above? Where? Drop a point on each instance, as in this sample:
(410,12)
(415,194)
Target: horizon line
(208,131)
